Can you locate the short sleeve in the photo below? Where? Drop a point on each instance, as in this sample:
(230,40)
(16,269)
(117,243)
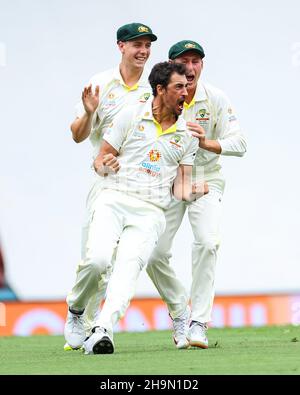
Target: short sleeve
(117,131)
(190,153)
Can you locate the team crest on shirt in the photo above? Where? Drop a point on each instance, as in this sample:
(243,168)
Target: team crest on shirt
(175,140)
(144,97)
(202,115)
(154,155)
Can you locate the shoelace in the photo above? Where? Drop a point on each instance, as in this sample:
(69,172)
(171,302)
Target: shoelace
(201,326)
(77,321)
(180,325)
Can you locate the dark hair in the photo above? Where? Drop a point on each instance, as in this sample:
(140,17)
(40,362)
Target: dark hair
(161,74)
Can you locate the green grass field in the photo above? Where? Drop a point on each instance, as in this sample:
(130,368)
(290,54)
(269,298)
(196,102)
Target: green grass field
(268,350)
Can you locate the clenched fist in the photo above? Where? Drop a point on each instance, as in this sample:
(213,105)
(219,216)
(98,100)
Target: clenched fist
(200,189)
(106,165)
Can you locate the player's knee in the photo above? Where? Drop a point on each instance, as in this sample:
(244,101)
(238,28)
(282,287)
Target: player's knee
(142,262)
(158,258)
(98,265)
(209,244)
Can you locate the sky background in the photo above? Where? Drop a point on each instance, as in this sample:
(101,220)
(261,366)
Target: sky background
(50,49)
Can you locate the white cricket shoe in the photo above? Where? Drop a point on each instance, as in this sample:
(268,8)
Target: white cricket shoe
(74,330)
(180,326)
(99,342)
(197,335)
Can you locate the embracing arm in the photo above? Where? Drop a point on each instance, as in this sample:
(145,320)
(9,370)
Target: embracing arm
(229,138)
(204,143)
(106,161)
(184,189)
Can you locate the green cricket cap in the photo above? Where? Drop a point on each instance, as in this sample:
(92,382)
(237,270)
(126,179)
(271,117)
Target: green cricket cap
(184,46)
(134,30)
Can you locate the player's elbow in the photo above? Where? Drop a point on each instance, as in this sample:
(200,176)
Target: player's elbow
(242,147)
(242,150)
(74,132)
(77,137)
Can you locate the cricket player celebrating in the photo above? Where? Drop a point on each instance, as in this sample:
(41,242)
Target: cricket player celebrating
(213,121)
(107,93)
(155,153)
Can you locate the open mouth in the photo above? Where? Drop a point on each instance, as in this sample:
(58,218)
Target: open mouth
(141,59)
(180,105)
(190,78)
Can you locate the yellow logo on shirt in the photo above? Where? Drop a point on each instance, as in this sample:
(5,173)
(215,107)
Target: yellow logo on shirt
(202,113)
(141,128)
(175,140)
(111,96)
(144,97)
(203,116)
(154,155)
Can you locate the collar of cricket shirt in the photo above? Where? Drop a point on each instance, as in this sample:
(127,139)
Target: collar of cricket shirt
(179,125)
(200,95)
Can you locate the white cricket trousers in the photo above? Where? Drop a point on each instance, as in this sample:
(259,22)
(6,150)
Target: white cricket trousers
(92,308)
(204,216)
(137,226)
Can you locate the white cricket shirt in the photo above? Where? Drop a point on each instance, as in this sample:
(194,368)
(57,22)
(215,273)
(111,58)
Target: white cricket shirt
(212,110)
(148,156)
